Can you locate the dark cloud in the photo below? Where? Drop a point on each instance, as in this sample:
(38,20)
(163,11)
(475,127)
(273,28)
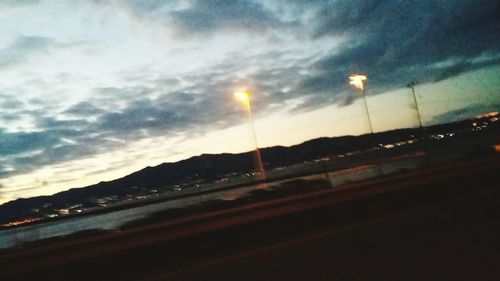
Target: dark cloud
(176,98)
(84,109)
(463,66)
(22,48)
(208,16)
(10,103)
(205,17)
(396,41)
(391,41)
(112,96)
(28,151)
(206,106)
(175,112)
(140,115)
(12,143)
(54,141)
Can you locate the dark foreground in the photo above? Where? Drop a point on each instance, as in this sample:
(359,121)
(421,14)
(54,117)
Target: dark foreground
(437,224)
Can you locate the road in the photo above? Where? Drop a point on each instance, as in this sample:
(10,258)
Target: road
(436,224)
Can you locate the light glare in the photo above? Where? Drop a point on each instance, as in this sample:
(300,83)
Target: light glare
(357,80)
(243,95)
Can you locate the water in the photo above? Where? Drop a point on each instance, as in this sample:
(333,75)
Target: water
(113,220)
(109,221)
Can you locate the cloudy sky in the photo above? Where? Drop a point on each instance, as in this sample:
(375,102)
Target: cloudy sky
(94,90)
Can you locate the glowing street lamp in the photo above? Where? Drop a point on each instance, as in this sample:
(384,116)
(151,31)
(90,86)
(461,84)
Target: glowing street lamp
(358,81)
(244,96)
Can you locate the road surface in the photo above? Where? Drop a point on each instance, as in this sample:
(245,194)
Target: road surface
(437,224)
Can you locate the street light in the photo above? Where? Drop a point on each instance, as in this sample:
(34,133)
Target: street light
(244,96)
(358,81)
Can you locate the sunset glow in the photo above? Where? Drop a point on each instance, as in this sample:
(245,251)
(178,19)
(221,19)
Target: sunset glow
(93,91)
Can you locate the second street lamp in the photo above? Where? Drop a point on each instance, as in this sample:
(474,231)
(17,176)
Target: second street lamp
(358,81)
(244,96)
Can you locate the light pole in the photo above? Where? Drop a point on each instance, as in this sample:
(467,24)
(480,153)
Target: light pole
(244,96)
(358,81)
(412,85)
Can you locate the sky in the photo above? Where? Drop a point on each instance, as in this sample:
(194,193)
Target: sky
(94,90)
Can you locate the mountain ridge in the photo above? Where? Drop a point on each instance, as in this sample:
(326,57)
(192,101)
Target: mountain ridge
(206,168)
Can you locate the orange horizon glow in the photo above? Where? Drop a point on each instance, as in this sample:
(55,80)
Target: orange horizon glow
(20,222)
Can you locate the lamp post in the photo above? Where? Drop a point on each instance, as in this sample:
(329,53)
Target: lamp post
(244,96)
(358,81)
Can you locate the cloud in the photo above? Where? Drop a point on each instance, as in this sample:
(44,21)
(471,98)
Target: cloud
(112,117)
(7,103)
(391,41)
(9,4)
(46,143)
(22,48)
(29,43)
(394,42)
(466,112)
(84,109)
(209,16)
(199,17)
(24,152)
(462,66)
(170,112)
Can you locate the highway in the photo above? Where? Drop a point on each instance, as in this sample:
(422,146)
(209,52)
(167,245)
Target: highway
(441,223)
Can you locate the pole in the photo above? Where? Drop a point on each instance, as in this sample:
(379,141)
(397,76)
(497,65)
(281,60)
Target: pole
(416,106)
(367,111)
(379,168)
(411,85)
